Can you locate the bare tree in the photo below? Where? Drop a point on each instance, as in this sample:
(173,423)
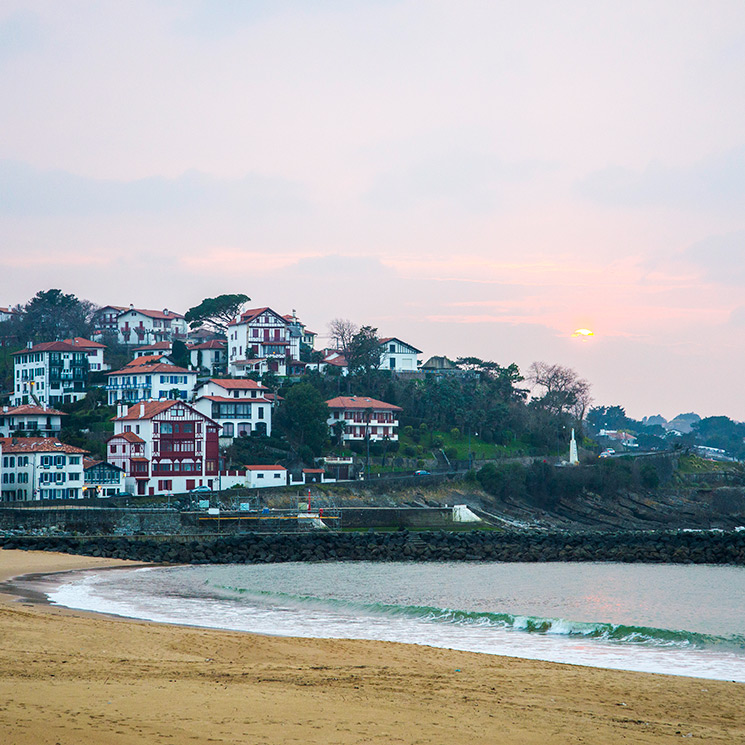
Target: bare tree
(559,389)
(341,333)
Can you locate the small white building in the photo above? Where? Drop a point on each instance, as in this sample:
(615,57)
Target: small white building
(211,355)
(93,350)
(240,407)
(148,382)
(30,419)
(35,468)
(139,326)
(161,348)
(356,418)
(50,374)
(259,477)
(398,356)
(102,479)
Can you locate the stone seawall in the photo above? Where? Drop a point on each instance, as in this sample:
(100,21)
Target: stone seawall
(251,548)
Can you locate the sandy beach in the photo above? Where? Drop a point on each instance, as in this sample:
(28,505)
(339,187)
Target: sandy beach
(71,677)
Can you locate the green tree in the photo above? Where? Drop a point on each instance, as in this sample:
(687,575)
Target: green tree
(302,418)
(216,312)
(180,353)
(363,354)
(52,315)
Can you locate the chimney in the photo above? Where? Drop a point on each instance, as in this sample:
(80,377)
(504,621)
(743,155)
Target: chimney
(142,410)
(165,311)
(131,307)
(121,409)
(5,409)
(29,345)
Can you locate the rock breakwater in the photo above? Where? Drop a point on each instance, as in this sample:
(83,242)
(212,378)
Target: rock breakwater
(682,547)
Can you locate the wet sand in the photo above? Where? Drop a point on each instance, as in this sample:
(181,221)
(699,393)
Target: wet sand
(73,677)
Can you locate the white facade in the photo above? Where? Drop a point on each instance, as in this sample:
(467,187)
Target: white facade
(49,374)
(209,355)
(150,382)
(397,356)
(138,326)
(93,350)
(30,419)
(262,334)
(238,406)
(360,417)
(40,468)
(259,477)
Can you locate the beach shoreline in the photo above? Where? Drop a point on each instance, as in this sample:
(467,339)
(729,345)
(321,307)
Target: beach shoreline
(68,676)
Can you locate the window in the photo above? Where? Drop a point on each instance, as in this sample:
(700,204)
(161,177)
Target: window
(261,412)
(166,428)
(227,429)
(277,475)
(127,427)
(187,427)
(259,475)
(112,449)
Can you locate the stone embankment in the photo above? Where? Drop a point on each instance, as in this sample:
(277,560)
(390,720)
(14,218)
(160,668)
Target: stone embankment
(251,548)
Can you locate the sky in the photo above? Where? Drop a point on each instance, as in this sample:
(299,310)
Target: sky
(476,177)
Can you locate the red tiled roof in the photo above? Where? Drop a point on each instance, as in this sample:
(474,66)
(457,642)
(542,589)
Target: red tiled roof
(37,445)
(339,361)
(157,345)
(50,346)
(159,367)
(30,410)
(128,436)
(151,313)
(146,359)
(265,468)
(9,310)
(82,343)
(211,344)
(149,409)
(249,315)
(230,384)
(312,470)
(360,403)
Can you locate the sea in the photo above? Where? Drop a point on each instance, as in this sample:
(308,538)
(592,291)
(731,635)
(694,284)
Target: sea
(674,619)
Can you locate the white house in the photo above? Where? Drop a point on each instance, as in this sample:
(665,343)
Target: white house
(147,382)
(49,374)
(164,348)
(359,417)
(7,313)
(40,468)
(259,477)
(262,334)
(164,447)
(93,350)
(240,407)
(139,326)
(28,418)
(209,355)
(397,355)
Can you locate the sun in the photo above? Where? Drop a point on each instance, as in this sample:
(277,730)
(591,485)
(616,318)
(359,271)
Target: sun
(583,333)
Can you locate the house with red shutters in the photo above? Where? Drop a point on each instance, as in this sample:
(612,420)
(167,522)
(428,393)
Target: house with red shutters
(211,355)
(355,418)
(164,447)
(93,350)
(262,334)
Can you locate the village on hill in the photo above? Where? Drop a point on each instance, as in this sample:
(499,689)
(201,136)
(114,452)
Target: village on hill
(121,400)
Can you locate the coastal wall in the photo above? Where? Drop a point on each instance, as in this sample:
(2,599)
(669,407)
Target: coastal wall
(680,547)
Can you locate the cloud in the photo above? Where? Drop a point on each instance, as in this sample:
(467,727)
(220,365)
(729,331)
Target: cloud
(25,190)
(720,258)
(468,180)
(716,181)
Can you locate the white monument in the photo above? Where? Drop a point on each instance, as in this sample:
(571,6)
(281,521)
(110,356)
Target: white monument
(573,459)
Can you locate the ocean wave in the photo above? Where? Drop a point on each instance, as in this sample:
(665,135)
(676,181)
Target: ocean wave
(610,632)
